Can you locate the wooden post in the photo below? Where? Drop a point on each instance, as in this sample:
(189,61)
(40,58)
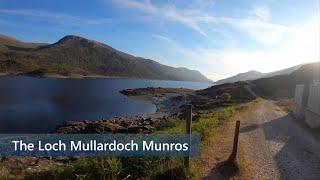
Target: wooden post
(188,118)
(233,155)
(188,131)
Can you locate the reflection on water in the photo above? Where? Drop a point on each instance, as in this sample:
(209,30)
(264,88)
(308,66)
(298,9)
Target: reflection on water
(35,105)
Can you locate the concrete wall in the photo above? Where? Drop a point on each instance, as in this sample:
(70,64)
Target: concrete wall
(299,94)
(307,104)
(314,98)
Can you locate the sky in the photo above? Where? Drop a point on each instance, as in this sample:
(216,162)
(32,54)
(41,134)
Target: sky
(220,38)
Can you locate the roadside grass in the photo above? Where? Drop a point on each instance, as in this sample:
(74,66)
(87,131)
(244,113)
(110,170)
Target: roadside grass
(145,167)
(286,104)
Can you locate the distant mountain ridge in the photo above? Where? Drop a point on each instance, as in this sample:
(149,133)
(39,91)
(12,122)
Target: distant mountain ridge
(253,75)
(250,75)
(284,85)
(9,42)
(283,71)
(77,55)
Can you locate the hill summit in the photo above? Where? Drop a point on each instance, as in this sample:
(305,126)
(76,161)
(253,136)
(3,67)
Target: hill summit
(75,55)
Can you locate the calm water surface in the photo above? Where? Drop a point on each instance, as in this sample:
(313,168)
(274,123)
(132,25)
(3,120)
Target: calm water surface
(34,105)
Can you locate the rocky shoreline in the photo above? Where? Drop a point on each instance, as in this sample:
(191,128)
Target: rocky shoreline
(170,103)
(132,124)
(167,100)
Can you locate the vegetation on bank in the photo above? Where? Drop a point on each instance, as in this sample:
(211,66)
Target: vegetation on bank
(143,167)
(286,104)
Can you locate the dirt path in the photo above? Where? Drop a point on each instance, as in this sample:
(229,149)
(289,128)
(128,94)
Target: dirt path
(271,146)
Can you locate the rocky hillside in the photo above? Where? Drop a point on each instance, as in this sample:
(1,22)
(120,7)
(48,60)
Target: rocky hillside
(73,55)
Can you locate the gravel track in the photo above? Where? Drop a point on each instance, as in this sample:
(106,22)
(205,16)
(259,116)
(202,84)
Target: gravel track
(276,146)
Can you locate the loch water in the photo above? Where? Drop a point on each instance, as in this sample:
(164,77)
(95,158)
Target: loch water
(38,105)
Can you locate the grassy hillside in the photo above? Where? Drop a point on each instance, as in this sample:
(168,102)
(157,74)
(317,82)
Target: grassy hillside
(237,91)
(13,43)
(77,55)
(283,86)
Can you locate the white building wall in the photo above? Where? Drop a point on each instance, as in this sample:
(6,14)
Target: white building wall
(311,113)
(299,94)
(314,98)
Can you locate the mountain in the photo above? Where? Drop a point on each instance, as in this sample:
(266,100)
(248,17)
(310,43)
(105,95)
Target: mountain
(12,43)
(284,85)
(283,71)
(250,75)
(279,86)
(74,55)
(253,75)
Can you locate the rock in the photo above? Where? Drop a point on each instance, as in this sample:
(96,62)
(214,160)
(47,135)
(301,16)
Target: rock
(69,130)
(4,172)
(150,128)
(135,124)
(94,128)
(62,159)
(114,128)
(136,129)
(124,123)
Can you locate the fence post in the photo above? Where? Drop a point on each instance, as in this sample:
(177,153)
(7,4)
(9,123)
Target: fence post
(188,132)
(233,155)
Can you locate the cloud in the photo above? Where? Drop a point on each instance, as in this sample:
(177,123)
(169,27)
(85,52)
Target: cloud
(164,38)
(143,6)
(6,23)
(260,30)
(175,46)
(189,18)
(261,12)
(54,16)
(300,46)
(256,25)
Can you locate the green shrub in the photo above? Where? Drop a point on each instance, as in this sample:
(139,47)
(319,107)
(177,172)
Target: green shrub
(225,96)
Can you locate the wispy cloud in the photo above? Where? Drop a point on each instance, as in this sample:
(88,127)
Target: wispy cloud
(261,12)
(301,46)
(189,18)
(262,31)
(143,6)
(6,23)
(164,38)
(54,16)
(256,25)
(175,46)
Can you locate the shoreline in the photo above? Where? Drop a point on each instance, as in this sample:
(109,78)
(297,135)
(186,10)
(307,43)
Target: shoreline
(144,124)
(166,100)
(93,76)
